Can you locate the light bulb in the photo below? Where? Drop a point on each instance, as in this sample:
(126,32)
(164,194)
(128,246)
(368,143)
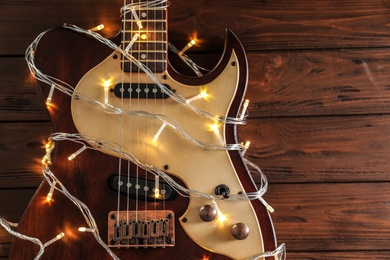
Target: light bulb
(56,238)
(202,94)
(106,85)
(157,135)
(156,186)
(215,128)
(50,194)
(73,155)
(84,229)
(50,96)
(244,108)
(246,147)
(133,40)
(189,45)
(97,28)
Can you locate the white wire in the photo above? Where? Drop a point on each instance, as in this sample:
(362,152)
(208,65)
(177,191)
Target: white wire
(279,252)
(173,95)
(164,119)
(110,146)
(51,180)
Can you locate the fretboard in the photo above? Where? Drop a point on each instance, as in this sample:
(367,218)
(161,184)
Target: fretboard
(148,44)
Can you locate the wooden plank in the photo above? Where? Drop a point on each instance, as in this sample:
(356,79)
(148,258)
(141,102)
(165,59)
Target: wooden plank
(4,250)
(342,255)
(23,23)
(20,98)
(308,217)
(12,210)
(312,83)
(261,25)
(307,149)
(348,82)
(320,149)
(331,217)
(21,150)
(284,24)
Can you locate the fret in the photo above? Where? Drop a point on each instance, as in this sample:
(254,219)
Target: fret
(151,45)
(153,66)
(147,56)
(146,27)
(145,41)
(145,21)
(132,32)
(145,61)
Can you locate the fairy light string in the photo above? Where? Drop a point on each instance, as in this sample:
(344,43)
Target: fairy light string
(89,143)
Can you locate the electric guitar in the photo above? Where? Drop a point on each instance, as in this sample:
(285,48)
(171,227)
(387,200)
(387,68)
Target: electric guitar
(153,154)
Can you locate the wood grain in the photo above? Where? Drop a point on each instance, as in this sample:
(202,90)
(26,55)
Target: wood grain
(12,210)
(21,150)
(343,216)
(20,99)
(345,82)
(331,217)
(320,149)
(261,25)
(308,149)
(318,115)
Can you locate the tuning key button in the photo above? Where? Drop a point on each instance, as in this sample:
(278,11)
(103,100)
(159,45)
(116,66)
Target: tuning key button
(240,231)
(207,213)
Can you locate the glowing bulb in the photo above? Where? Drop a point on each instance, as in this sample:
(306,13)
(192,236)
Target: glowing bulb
(46,160)
(156,186)
(50,194)
(106,85)
(221,217)
(73,155)
(56,238)
(189,45)
(157,135)
(246,147)
(203,94)
(50,96)
(215,128)
(139,24)
(84,229)
(48,146)
(96,28)
(244,108)
(133,40)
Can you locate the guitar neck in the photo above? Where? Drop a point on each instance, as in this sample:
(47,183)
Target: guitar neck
(144,29)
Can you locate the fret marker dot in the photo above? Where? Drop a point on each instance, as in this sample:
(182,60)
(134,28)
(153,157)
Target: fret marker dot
(143,14)
(143,56)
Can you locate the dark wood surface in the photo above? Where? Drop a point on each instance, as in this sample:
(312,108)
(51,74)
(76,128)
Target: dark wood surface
(319,112)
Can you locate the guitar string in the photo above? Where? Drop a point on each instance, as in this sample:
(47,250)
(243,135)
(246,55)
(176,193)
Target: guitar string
(172,94)
(67,89)
(62,83)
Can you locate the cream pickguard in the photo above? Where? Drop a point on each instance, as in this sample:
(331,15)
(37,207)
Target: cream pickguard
(200,169)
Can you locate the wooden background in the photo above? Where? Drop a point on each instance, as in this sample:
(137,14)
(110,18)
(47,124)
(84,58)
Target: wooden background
(319,88)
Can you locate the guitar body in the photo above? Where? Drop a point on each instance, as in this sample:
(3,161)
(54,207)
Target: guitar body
(83,62)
